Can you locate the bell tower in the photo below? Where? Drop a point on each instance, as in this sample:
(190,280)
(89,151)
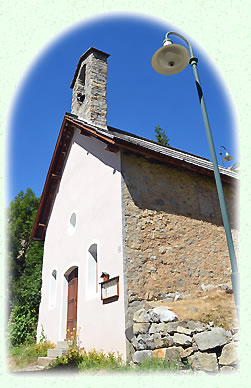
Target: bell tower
(89,88)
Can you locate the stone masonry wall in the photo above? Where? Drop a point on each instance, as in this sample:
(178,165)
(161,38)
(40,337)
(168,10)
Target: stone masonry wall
(157,332)
(173,237)
(91,84)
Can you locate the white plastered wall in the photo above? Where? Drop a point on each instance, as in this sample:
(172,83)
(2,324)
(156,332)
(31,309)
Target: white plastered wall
(90,187)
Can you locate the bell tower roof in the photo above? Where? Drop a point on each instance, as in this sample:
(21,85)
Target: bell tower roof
(83,57)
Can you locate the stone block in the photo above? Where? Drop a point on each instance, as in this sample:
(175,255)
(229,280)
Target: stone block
(54,353)
(173,355)
(141,316)
(132,296)
(162,341)
(196,327)
(182,339)
(183,330)
(142,355)
(229,355)
(211,339)
(153,316)
(204,361)
(236,337)
(44,361)
(158,328)
(143,342)
(140,328)
(63,344)
(171,327)
(160,353)
(227,369)
(184,353)
(129,333)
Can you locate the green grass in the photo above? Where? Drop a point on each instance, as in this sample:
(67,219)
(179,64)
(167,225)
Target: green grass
(93,361)
(88,362)
(156,365)
(25,354)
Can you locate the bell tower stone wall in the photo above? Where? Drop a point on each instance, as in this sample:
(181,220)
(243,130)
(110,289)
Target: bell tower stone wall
(89,88)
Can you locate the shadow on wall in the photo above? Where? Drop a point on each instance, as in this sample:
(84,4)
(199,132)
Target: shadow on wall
(157,186)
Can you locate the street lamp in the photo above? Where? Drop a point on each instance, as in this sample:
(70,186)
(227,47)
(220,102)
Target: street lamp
(171,59)
(227,157)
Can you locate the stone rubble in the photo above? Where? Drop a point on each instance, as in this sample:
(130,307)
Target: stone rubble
(206,348)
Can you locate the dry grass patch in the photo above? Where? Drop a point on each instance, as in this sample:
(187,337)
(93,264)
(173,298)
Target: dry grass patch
(207,306)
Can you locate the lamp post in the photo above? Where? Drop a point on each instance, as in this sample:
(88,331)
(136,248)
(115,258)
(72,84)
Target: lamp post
(227,157)
(171,59)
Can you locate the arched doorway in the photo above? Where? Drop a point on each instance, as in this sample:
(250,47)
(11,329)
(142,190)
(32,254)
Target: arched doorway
(72,301)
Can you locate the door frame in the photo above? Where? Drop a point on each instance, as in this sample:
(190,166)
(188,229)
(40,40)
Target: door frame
(64,307)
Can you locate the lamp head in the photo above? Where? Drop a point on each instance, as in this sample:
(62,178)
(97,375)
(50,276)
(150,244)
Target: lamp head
(227,157)
(170,58)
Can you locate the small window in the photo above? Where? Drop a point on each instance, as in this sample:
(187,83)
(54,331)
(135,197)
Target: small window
(92,270)
(73,220)
(82,75)
(72,223)
(53,289)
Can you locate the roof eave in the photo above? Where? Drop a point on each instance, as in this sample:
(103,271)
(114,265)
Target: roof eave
(68,126)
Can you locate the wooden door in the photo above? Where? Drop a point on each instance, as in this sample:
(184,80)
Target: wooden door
(72,302)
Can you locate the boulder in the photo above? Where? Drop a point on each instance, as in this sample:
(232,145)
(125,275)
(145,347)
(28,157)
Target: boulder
(229,355)
(165,315)
(211,339)
(182,339)
(142,355)
(204,361)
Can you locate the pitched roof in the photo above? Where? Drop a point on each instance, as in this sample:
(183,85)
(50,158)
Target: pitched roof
(116,140)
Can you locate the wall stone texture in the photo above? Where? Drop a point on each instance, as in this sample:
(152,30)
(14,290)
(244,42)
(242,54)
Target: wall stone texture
(91,83)
(174,239)
(205,347)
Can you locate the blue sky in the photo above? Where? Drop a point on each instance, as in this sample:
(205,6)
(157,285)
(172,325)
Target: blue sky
(138,98)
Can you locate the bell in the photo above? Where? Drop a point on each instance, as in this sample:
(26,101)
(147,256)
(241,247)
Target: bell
(170,59)
(227,157)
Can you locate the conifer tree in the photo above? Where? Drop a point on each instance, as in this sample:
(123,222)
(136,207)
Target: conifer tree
(161,136)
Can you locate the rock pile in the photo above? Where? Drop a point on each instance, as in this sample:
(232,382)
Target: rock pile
(158,333)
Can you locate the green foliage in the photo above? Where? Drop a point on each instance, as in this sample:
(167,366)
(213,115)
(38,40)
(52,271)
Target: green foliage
(25,268)
(22,325)
(91,360)
(98,360)
(21,215)
(161,136)
(24,354)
